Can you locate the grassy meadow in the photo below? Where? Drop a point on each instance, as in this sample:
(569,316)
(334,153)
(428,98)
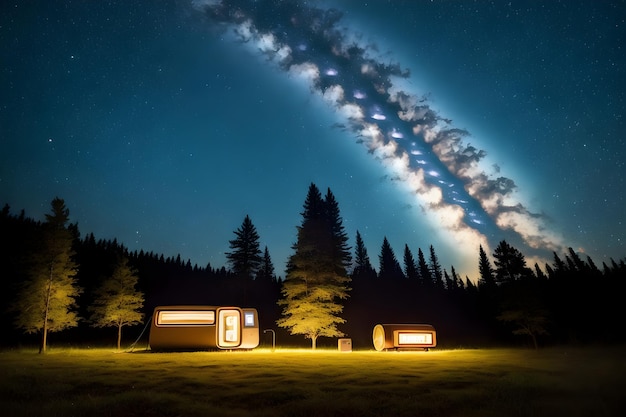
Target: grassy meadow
(482,382)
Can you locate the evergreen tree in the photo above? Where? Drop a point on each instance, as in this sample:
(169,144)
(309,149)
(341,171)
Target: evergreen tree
(448,281)
(559,265)
(435,268)
(510,264)
(316,279)
(422,266)
(410,269)
(362,267)
(245,256)
(592,266)
(389,265)
(487,279)
(338,233)
(578,263)
(46,300)
(539,273)
(457,283)
(117,302)
(266,271)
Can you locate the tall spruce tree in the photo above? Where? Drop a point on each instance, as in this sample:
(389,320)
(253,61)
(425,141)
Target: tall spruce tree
(245,255)
(422,266)
(410,268)
(117,302)
(362,266)
(485,269)
(435,268)
(317,279)
(46,301)
(389,266)
(266,271)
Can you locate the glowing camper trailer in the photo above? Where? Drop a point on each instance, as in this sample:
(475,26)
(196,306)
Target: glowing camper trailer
(404,336)
(204,327)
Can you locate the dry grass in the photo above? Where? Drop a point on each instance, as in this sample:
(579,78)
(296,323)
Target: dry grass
(489,382)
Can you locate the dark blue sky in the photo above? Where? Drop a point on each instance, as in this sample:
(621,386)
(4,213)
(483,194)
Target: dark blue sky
(450,124)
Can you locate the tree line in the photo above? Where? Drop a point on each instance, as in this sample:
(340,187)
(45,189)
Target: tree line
(57,281)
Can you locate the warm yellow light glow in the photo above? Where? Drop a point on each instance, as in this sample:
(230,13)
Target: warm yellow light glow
(229,332)
(415,339)
(182,317)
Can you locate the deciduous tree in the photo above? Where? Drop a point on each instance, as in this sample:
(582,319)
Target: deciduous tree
(117,302)
(46,301)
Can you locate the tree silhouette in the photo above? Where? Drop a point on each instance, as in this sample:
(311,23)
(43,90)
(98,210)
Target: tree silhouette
(522,306)
(510,263)
(316,278)
(245,255)
(389,266)
(117,302)
(485,269)
(435,268)
(410,268)
(46,301)
(266,270)
(422,266)
(363,269)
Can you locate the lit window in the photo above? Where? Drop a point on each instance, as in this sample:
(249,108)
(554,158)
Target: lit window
(185,317)
(415,338)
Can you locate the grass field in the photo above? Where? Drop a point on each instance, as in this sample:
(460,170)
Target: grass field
(482,382)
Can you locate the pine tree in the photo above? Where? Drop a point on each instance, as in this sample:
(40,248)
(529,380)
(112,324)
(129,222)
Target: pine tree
(245,256)
(510,264)
(422,266)
(266,271)
(389,266)
(340,237)
(362,266)
(539,273)
(448,281)
(559,265)
(579,264)
(46,300)
(117,302)
(487,279)
(435,268)
(455,279)
(410,268)
(316,278)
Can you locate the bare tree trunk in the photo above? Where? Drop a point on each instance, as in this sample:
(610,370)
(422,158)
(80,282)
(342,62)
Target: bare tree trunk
(44,331)
(119,336)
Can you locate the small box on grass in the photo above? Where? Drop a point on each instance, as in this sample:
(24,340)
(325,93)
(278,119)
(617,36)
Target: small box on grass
(345,345)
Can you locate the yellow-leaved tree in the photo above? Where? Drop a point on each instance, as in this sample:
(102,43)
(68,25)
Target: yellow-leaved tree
(46,300)
(117,302)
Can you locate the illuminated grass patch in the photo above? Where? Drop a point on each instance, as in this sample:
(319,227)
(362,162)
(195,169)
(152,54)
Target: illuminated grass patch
(494,382)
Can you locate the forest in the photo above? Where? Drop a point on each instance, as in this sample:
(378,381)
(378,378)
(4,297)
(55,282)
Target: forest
(570,301)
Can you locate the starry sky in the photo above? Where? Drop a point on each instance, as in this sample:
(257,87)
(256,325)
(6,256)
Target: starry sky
(446,123)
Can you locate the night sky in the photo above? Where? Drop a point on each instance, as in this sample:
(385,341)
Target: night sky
(444,123)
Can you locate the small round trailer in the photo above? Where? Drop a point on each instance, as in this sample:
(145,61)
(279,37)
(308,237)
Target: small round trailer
(404,336)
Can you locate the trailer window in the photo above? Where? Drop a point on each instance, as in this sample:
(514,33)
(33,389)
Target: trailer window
(415,338)
(185,317)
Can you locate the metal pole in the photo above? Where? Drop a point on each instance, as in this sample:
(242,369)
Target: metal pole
(273,338)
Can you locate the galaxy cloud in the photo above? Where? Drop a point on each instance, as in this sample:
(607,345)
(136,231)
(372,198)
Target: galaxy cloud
(429,157)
